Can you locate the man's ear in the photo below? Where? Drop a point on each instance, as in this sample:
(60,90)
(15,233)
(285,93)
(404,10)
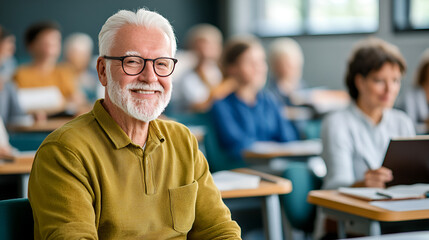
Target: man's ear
(101,70)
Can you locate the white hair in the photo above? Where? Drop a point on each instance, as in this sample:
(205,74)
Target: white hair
(80,40)
(142,17)
(286,47)
(203,30)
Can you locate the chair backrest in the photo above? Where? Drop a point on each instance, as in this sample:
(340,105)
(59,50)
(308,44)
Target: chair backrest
(298,211)
(217,157)
(16,219)
(27,141)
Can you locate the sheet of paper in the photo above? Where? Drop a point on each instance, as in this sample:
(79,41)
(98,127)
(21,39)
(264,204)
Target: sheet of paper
(424,235)
(311,147)
(4,137)
(403,205)
(363,193)
(40,98)
(228,180)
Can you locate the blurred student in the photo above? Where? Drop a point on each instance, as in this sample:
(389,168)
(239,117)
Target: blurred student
(286,63)
(77,55)
(5,148)
(11,112)
(249,113)
(7,59)
(199,87)
(416,100)
(355,139)
(43,41)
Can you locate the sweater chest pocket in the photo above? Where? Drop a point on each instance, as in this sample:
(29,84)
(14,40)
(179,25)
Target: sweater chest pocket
(182,206)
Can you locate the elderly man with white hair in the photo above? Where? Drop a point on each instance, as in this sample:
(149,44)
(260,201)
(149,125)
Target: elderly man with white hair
(118,172)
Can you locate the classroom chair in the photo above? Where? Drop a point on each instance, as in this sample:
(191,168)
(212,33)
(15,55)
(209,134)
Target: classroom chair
(27,141)
(299,213)
(16,219)
(217,158)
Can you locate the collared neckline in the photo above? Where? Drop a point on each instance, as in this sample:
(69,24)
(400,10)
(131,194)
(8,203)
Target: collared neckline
(119,138)
(359,113)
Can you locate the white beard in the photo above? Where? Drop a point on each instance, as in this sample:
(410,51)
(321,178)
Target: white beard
(144,110)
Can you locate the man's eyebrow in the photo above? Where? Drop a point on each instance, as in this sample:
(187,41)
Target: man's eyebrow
(132,53)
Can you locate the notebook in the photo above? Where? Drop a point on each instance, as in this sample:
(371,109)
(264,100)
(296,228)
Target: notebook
(229,180)
(398,192)
(408,158)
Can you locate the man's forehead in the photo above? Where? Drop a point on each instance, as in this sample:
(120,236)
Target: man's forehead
(131,37)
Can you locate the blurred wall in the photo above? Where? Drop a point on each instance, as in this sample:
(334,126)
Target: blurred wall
(88,15)
(326,56)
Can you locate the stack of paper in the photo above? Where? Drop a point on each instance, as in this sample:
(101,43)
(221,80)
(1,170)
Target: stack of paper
(228,180)
(398,192)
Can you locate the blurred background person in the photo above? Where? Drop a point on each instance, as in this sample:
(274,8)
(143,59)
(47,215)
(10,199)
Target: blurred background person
(11,112)
(77,56)
(199,87)
(415,101)
(286,63)
(248,114)
(355,139)
(5,148)
(7,59)
(43,42)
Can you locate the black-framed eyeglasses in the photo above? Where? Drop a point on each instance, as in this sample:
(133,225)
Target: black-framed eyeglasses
(134,65)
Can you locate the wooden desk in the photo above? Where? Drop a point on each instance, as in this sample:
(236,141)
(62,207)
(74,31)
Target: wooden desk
(344,208)
(275,185)
(46,126)
(21,165)
(269,188)
(269,150)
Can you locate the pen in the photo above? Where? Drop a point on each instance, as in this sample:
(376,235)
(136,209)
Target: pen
(388,196)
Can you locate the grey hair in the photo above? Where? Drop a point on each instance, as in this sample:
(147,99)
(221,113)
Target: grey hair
(288,47)
(142,17)
(79,39)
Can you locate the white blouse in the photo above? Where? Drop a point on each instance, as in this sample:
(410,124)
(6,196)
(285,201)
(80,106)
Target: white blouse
(350,138)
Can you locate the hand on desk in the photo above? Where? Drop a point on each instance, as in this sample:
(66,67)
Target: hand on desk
(376,178)
(5,152)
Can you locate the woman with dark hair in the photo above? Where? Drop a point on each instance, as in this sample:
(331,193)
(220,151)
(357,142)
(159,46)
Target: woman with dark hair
(249,114)
(43,41)
(355,139)
(416,100)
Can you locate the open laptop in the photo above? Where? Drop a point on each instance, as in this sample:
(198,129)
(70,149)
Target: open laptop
(408,158)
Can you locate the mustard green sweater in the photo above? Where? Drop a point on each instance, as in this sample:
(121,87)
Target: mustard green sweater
(89,181)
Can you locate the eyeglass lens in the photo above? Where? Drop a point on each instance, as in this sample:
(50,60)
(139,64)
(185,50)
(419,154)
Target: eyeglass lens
(134,65)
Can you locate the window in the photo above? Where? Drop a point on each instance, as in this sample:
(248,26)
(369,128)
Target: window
(410,15)
(313,17)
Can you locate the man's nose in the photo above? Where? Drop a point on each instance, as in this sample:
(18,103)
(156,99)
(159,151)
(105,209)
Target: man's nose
(148,74)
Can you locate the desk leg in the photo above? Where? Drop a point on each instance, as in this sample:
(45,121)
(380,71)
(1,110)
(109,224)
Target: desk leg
(273,218)
(359,224)
(341,229)
(374,228)
(24,185)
